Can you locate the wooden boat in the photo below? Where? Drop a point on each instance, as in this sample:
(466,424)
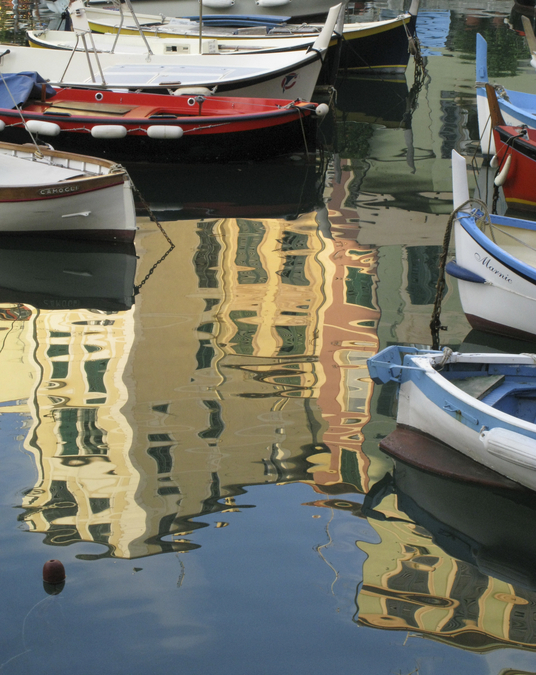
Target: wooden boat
(287,75)
(368,46)
(515,159)
(483,405)
(139,126)
(472,513)
(298,9)
(495,265)
(58,273)
(69,195)
(516,107)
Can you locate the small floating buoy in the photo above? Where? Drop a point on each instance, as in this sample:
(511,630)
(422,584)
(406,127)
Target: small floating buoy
(53,572)
(501,177)
(109,131)
(322,110)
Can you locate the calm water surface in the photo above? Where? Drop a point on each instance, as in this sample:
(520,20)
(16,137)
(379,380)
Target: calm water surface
(189,427)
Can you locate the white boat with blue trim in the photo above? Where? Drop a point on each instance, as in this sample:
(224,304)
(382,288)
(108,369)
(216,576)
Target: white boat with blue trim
(495,265)
(482,405)
(517,107)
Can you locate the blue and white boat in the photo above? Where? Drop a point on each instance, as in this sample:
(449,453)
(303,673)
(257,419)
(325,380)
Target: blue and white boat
(482,405)
(516,107)
(495,265)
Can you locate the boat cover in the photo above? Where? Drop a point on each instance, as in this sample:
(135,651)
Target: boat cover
(17,88)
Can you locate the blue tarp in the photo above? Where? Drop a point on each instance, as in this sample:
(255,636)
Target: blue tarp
(17,88)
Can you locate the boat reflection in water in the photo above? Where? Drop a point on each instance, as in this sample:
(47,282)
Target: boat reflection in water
(272,189)
(51,273)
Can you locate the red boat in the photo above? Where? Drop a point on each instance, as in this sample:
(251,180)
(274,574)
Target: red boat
(128,126)
(515,158)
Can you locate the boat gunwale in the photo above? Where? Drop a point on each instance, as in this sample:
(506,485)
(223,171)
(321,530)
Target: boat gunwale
(515,265)
(423,363)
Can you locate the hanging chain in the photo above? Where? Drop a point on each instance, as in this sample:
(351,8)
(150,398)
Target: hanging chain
(435,323)
(159,225)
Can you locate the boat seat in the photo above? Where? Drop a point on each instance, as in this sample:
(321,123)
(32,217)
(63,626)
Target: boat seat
(507,388)
(89,106)
(479,386)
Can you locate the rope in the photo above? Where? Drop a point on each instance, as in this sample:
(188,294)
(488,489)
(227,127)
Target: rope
(435,323)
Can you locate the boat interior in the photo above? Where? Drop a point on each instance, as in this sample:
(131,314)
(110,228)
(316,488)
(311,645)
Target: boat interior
(508,388)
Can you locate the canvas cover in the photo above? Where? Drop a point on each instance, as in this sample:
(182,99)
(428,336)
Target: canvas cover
(17,88)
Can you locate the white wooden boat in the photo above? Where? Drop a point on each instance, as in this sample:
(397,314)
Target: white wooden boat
(291,8)
(495,265)
(45,191)
(516,107)
(366,46)
(287,75)
(482,405)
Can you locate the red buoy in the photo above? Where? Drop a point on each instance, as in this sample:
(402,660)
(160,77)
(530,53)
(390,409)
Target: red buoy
(53,572)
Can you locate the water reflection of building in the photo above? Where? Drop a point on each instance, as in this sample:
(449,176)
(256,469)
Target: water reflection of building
(411,584)
(245,349)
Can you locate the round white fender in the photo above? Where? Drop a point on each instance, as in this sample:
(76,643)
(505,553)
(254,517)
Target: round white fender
(109,131)
(192,91)
(510,446)
(2,125)
(322,110)
(501,177)
(43,128)
(218,4)
(165,132)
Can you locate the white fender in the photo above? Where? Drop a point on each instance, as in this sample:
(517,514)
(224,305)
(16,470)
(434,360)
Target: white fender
(322,110)
(165,132)
(109,131)
(43,128)
(501,177)
(218,4)
(272,3)
(494,162)
(2,125)
(192,91)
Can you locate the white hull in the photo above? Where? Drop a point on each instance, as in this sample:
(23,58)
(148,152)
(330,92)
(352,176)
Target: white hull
(506,299)
(291,79)
(135,44)
(417,411)
(108,208)
(48,191)
(293,8)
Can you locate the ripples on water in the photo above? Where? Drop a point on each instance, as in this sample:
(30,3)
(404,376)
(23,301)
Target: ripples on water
(193,432)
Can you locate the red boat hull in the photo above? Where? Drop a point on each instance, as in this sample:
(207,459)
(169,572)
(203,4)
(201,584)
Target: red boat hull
(519,184)
(129,126)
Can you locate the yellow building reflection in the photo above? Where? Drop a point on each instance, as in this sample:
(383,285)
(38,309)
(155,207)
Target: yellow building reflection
(231,369)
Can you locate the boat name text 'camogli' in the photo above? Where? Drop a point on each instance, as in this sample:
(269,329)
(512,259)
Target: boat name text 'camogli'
(59,191)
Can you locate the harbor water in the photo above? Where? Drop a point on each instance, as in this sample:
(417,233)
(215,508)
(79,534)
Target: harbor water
(188,425)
